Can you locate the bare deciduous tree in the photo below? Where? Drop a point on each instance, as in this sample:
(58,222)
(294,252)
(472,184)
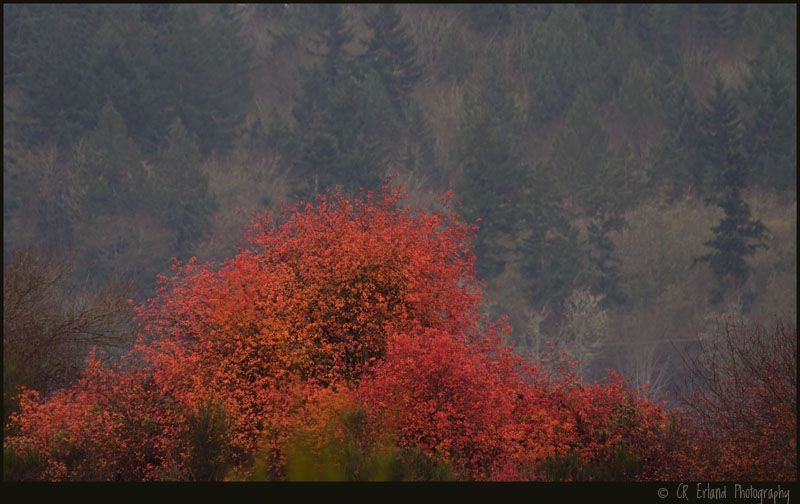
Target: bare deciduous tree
(49,327)
(742,391)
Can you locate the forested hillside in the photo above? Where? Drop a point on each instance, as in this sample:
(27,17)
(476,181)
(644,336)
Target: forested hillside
(631,169)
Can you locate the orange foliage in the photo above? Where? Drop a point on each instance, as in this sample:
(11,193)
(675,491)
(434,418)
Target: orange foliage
(343,305)
(114,423)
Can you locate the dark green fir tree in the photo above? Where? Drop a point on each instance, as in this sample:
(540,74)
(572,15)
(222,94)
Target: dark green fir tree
(770,98)
(736,237)
(180,188)
(111,166)
(493,171)
(550,251)
(720,135)
(391,52)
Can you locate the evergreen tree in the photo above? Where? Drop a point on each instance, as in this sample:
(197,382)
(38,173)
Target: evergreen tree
(579,152)
(719,23)
(771,123)
(154,63)
(775,24)
(654,25)
(391,52)
(113,228)
(343,132)
(600,184)
(316,160)
(720,141)
(493,171)
(557,55)
(46,57)
(621,185)
(367,124)
(202,75)
(736,237)
(618,46)
(314,153)
(120,56)
(487,18)
(603,265)
(550,253)
(338,63)
(180,188)
(158,14)
(675,155)
(636,104)
(345,118)
(112,166)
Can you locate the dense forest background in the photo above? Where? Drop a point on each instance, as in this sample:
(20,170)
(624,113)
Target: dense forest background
(633,167)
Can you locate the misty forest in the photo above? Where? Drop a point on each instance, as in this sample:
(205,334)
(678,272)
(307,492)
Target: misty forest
(399,242)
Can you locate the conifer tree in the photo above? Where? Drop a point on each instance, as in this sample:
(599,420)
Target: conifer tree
(736,237)
(112,166)
(202,76)
(344,117)
(557,54)
(335,35)
(315,146)
(114,234)
(601,183)
(770,96)
(180,188)
(391,52)
(45,55)
(675,155)
(719,23)
(550,253)
(119,60)
(493,171)
(720,140)
(579,151)
(636,104)
(488,17)
(343,132)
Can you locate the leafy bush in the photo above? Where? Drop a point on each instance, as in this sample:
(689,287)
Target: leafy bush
(345,343)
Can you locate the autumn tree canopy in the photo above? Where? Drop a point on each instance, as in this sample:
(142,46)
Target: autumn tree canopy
(352,322)
(315,299)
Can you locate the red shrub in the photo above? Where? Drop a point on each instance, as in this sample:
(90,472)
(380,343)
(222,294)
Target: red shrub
(352,304)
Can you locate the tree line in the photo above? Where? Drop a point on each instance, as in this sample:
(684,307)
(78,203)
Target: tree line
(554,125)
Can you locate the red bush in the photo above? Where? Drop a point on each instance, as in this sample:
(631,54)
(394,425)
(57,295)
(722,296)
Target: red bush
(351,304)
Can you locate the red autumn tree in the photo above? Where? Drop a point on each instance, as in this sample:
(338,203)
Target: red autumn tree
(490,414)
(114,423)
(352,304)
(315,298)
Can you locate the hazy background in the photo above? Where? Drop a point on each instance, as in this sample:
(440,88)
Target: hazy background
(600,145)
